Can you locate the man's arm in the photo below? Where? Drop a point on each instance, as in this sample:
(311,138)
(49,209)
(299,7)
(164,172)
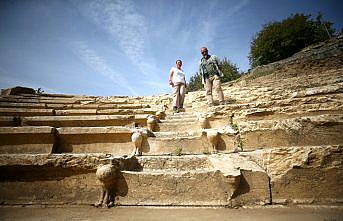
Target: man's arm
(219,68)
(200,71)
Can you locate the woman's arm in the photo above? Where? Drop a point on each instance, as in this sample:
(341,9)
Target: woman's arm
(171,77)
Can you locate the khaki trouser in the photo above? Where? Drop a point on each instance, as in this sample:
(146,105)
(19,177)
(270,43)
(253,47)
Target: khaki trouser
(213,83)
(179,90)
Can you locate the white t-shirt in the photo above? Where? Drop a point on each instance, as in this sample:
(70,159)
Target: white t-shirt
(178,75)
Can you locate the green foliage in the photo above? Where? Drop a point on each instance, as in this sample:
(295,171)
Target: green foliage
(194,83)
(178,151)
(234,126)
(279,40)
(230,72)
(259,73)
(206,152)
(240,145)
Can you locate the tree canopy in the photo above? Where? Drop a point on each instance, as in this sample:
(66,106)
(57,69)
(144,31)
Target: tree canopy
(279,40)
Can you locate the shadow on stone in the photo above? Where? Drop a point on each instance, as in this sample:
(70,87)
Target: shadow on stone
(243,187)
(121,187)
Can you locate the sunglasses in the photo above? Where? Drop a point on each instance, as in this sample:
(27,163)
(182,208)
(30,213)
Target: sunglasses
(204,52)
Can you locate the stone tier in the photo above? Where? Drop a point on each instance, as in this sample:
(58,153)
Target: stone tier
(35,140)
(224,180)
(301,131)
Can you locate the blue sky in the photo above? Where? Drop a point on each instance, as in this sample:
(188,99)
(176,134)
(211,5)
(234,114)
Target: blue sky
(111,47)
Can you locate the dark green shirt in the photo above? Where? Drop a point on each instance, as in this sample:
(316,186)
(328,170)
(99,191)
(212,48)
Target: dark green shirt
(207,67)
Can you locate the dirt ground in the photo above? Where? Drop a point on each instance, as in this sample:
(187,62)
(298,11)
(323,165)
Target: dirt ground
(303,213)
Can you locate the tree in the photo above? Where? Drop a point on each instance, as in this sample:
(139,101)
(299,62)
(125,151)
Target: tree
(279,40)
(230,72)
(195,82)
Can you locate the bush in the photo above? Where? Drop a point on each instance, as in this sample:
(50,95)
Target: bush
(279,40)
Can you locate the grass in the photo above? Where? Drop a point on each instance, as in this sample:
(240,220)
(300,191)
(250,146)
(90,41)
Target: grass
(206,152)
(178,151)
(234,126)
(259,73)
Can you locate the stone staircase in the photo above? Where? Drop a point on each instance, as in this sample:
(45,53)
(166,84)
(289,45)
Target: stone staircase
(277,140)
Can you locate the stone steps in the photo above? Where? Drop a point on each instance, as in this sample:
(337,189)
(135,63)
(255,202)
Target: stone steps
(284,112)
(298,131)
(72,106)
(180,118)
(81,121)
(178,126)
(188,142)
(26,112)
(73,112)
(35,140)
(303,174)
(174,163)
(50,179)
(117,140)
(113,139)
(39,100)
(8,121)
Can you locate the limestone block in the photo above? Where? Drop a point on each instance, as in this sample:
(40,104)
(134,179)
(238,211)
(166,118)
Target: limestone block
(80,121)
(16,140)
(249,183)
(164,180)
(44,177)
(168,142)
(311,130)
(174,163)
(304,174)
(25,112)
(112,139)
(76,112)
(212,137)
(177,126)
(23,105)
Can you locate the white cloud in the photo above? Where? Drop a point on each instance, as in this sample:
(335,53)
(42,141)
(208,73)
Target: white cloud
(127,27)
(99,64)
(238,7)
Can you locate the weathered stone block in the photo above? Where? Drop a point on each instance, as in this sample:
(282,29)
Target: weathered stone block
(80,121)
(115,140)
(25,112)
(14,140)
(309,174)
(312,130)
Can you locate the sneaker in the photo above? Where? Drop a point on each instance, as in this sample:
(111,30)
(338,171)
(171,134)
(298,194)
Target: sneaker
(211,105)
(175,110)
(222,103)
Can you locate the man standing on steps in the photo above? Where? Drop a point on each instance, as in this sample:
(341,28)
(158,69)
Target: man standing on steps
(211,74)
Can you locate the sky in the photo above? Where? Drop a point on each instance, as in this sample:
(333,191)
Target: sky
(127,47)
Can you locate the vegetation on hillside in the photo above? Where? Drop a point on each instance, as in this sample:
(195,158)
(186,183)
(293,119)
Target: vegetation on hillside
(279,40)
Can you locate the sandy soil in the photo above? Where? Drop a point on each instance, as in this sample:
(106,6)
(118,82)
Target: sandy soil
(175,214)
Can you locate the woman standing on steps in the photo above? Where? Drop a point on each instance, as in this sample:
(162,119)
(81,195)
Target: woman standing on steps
(178,82)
